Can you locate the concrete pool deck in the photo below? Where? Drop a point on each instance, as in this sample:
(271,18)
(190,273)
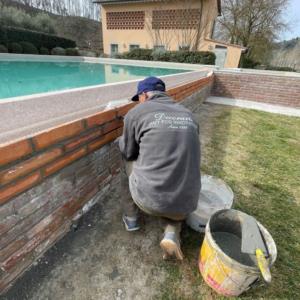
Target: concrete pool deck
(22,117)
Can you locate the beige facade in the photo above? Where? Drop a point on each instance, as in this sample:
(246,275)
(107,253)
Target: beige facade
(171,25)
(232,52)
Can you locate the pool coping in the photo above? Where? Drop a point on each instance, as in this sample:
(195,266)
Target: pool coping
(50,58)
(37,113)
(128,62)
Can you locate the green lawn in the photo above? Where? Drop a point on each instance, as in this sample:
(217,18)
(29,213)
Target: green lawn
(258,155)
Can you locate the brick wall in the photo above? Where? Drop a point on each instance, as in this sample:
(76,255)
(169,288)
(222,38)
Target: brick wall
(49,180)
(259,87)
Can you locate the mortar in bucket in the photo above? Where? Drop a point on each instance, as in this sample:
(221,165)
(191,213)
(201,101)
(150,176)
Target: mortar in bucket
(215,195)
(222,264)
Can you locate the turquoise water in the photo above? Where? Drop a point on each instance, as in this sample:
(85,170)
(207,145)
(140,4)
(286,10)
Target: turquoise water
(27,78)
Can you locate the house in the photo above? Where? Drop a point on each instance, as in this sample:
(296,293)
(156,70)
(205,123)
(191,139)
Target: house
(165,24)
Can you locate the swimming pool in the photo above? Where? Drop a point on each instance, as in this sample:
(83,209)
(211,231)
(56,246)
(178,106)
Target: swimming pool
(20,78)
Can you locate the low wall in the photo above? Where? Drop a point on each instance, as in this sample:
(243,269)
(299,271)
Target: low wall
(260,86)
(49,180)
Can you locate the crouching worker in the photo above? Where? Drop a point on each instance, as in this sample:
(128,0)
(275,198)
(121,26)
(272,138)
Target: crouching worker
(161,153)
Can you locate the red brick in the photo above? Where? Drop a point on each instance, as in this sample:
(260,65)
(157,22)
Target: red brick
(71,207)
(63,162)
(112,126)
(36,235)
(14,151)
(18,187)
(174,90)
(12,248)
(82,140)
(54,237)
(101,118)
(58,134)
(14,273)
(103,140)
(7,223)
(123,110)
(28,165)
(119,131)
(6,210)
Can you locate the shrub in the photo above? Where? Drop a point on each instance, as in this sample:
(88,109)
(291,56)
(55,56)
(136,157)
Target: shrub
(44,51)
(248,63)
(29,48)
(15,48)
(38,39)
(284,69)
(58,51)
(3,49)
(139,54)
(72,52)
(192,57)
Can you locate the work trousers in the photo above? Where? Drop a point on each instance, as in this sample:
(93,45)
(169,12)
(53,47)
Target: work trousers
(131,206)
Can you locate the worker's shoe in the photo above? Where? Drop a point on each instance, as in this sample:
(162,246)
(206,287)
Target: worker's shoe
(170,245)
(131,223)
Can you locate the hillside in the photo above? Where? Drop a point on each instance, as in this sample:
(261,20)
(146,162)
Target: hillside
(85,32)
(78,8)
(287,54)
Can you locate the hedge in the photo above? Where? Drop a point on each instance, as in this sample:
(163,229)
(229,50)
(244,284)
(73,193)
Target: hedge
(72,52)
(138,54)
(44,51)
(247,62)
(58,51)
(29,48)
(15,48)
(3,49)
(192,57)
(38,39)
(283,69)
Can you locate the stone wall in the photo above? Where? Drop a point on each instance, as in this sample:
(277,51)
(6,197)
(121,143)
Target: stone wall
(268,87)
(49,180)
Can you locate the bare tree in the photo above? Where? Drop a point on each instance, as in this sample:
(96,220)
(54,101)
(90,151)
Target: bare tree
(252,23)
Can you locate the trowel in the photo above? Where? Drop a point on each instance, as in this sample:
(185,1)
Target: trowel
(253,244)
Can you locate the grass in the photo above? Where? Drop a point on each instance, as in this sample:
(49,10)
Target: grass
(258,155)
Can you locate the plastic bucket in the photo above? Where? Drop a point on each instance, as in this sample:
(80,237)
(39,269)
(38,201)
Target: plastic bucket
(225,274)
(215,195)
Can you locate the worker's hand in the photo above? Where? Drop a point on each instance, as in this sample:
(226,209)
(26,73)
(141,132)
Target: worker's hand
(116,141)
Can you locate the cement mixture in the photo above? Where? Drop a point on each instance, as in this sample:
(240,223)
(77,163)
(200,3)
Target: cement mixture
(230,244)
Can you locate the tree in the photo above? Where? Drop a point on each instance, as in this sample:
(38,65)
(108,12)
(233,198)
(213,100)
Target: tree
(252,23)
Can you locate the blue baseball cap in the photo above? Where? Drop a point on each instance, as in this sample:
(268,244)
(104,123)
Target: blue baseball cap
(147,85)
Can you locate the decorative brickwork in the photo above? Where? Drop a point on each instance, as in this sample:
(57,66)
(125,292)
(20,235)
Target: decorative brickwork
(258,87)
(49,180)
(125,20)
(176,19)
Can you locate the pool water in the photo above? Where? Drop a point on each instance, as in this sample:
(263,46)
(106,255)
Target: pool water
(26,78)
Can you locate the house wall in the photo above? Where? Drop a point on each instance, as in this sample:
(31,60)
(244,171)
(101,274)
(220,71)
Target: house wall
(233,52)
(260,86)
(47,181)
(145,37)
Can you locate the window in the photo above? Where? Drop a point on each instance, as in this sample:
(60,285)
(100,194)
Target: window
(114,49)
(159,47)
(184,48)
(131,47)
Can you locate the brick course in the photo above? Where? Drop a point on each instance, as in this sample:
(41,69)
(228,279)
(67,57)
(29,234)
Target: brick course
(272,89)
(14,151)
